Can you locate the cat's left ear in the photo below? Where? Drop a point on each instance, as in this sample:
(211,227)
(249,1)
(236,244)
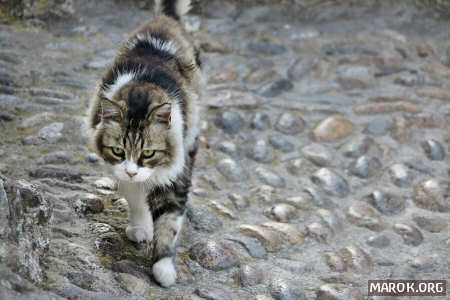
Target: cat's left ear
(162,114)
(110,110)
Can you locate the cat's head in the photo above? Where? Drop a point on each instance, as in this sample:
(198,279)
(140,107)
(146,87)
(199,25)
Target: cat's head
(140,133)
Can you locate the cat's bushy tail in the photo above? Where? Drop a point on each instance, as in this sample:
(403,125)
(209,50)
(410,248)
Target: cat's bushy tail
(173,8)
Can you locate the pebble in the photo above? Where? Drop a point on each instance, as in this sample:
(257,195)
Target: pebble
(410,234)
(400,175)
(378,126)
(387,204)
(229,148)
(52,133)
(426,49)
(408,80)
(318,154)
(422,264)
(132,284)
(337,292)
(378,241)
(211,292)
(301,68)
(290,124)
(240,202)
(7,90)
(334,261)
(264,193)
(230,121)
(253,246)
(319,197)
(261,121)
(275,88)
(281,212)
(99,228)
(364,216)
(106,183)
(214,255)
(330,218)
(248,275)
(433,150)
(4,116)
(270,240)
(201,219)
(319,232)
(231,170)
(431,224)
(93,158)
(8,102)
(401,130)
(269,177)
(88,203)
(289,232)
(223,210)
(266,48)
(297,166)
(56,158)
(110,242)
(356,259)
(224,76)
(387,107)
(281,289)
(260,151)
(262,75)
(432,195)
(280,143)
(83,280)
(357,146)
(332,129)
(365,166)
(332,183)
(61,174)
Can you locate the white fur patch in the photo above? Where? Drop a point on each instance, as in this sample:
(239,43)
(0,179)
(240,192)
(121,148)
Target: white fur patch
(160,44)
(164,272)
(181,7)
(121,81)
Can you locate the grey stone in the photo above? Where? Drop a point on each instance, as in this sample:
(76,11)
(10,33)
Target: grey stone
(301,68)
(8,102)
(433,195)
(93,158)
(332,183)
(52,133)
(240,202)
(400,175)
(83,280)
(387,204)
(98,64)
(88,203)
(49,93)
(230,121)
(260,151)
(281,212)
(211,292)
(4,116)
(56,158)
(266,48)
(71,83)
(260,121)
(318,154)
(253,246)
(7,90)
(229,148)
(282,289)
(318,197)
(334,261)
(280,143)
(379,126)
(248,275)
(268,238)
(431,224)
(7,78)
(357,146)
(231,170)
(50,101)
(357,259)
(410,234)
(364,216)
(337,292)
(62,174)
(289,123)
(110,243)
(202,219)
(269,177)
(319,232)
(214,255)
(365,166)
(433,150)
(378,241)
(132,284)
(419,165)
(275,88)
(129,267)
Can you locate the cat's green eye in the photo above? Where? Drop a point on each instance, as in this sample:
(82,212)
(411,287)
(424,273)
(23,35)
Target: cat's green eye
(148,153)
(118,151)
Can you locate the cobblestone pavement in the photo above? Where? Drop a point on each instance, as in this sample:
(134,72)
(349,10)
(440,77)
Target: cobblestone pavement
(324,153)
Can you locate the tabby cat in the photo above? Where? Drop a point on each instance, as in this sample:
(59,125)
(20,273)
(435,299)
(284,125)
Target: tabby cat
(144,121)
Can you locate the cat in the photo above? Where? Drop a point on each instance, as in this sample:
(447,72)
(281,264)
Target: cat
(144,120)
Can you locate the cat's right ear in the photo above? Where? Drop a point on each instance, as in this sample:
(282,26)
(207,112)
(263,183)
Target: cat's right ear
(110,110)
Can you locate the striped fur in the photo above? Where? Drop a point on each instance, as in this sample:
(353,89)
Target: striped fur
(146,102)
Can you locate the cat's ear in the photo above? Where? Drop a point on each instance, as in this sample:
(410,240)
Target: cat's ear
(162,113)
(110,110)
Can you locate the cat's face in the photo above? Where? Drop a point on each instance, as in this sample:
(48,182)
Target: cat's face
(135,136)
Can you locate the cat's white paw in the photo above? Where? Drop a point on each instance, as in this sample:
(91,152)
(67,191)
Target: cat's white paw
(164,272)
(139,234)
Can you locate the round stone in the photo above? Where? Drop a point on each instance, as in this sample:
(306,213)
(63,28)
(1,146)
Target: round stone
(231,170)
(301,68)
(332,129)
(365,166)
(431,224)
(269,177)
(260,121)
(289,123)
(400,175)
(281,212)
(260,151)
(266,48)
(229,148)
(93,158)
(364,216)
(106,183)
(332,183)
(378,241)
(334,261)
(289,232)
(282,289)
(88,203)
(52,133)
(357,146)
(248,275)
(356,259)
(432,195)
(410,234)
(317,154)
(240,202)
(275,88)
(281,144)
(253,246)
(330,218)
(337,292)
(433,150)
(229,121)
(319,232)
(110,242)
(132,284)
(378,127)
(214,255)
(387,204)
(297,166)
(270,240)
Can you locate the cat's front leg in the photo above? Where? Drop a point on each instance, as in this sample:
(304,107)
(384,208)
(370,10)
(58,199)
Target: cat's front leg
(167,228)
(140,227)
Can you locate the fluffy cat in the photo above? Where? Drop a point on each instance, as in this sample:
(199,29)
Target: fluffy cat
(144,118)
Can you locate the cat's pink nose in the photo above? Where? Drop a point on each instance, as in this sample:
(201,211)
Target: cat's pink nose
(131,174)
